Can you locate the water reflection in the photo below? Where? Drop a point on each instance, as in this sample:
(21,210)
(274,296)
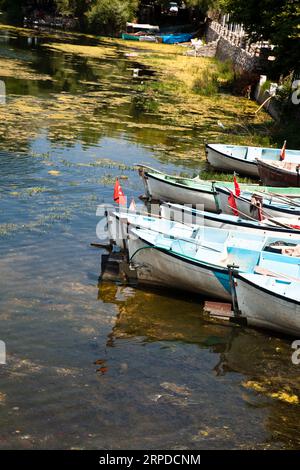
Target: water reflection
(261,365)
(150,315)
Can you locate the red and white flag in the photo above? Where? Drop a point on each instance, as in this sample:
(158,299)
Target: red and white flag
(282,151)
(119,196)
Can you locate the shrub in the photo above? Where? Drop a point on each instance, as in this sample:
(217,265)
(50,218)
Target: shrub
(217,77)
(207,83)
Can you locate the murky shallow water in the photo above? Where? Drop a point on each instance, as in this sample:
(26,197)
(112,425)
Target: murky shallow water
(109,366)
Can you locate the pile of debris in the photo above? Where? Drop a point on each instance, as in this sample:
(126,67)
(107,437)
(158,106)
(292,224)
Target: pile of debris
(199,49)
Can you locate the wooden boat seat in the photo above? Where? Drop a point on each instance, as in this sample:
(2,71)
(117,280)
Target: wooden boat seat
(214,257)
(273,262)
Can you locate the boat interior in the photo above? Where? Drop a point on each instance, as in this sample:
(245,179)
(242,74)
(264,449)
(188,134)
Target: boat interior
(222,248)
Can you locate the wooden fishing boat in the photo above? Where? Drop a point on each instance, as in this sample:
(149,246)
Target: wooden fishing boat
(279,173)
(162,187)
(243,159)
(284,227)
(270,302)
(202,263)
(247,204)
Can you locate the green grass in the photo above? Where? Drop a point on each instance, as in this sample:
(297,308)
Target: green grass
(215,78)
(217,176)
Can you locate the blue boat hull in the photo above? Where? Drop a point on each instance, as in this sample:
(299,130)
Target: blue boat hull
(176,38)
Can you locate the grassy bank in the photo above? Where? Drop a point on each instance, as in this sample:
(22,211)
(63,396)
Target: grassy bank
(187,91)
(195,92)
(198,93)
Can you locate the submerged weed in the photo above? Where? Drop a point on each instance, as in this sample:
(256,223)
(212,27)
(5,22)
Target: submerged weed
(35,190)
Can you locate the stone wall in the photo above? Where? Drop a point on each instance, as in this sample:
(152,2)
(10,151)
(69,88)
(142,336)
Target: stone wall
(241,59)
(211,35)
(235,46)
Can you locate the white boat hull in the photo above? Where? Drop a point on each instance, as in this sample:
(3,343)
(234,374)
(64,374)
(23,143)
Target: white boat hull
(160,268)
(166,191)
(231,164)
(265,310)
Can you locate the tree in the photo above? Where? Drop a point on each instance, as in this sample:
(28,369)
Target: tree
(110,16)
(102,16)
(202,5)
(275,21)
(77,8)
(14,9)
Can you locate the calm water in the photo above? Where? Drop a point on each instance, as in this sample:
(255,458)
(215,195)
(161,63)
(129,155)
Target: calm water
(109,366)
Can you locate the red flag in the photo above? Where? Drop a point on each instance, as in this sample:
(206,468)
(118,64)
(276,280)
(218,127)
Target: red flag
(232,203)
(282,151)
(119,196)
(236,187)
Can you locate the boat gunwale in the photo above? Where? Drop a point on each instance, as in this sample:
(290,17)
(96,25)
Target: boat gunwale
(173,183)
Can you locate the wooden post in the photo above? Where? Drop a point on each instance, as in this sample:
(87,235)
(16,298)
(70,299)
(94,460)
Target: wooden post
(231,269)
